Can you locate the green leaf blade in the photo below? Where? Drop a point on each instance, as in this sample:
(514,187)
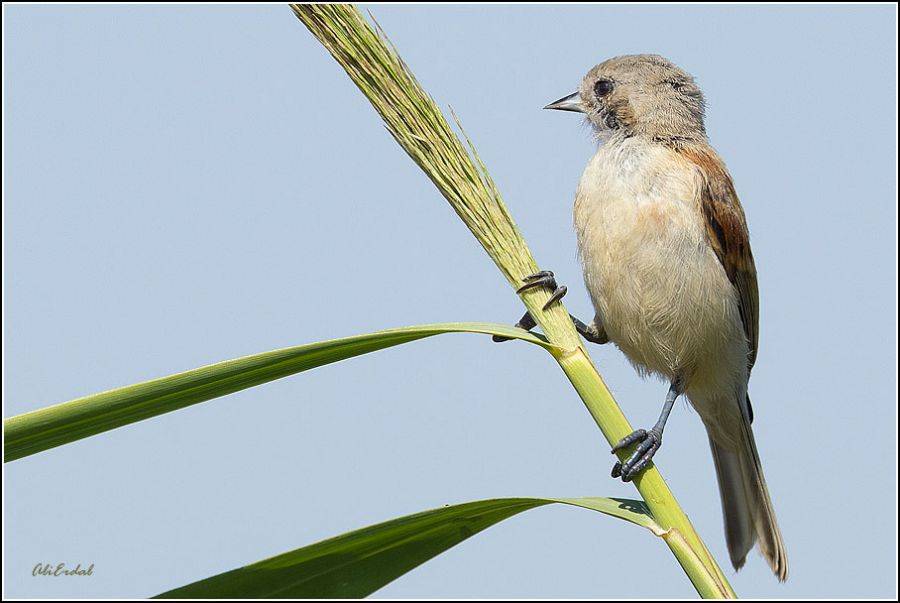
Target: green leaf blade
(356,564)
(54,426)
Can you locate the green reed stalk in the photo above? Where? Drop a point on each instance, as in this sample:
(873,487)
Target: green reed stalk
(417,124)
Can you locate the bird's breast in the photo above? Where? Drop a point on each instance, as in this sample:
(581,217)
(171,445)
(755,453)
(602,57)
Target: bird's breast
(656,284)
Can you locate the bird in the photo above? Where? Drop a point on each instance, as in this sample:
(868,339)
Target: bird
(666,259)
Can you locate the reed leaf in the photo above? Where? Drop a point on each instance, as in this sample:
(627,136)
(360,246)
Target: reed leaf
(40,430)
(357,563)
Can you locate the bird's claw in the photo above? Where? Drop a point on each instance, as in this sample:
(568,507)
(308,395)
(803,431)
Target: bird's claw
(650,441)
(544,278)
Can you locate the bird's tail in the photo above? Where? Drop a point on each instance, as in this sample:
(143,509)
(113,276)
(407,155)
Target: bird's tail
(746,506)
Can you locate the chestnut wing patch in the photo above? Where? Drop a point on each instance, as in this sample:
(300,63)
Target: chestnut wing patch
(726,228)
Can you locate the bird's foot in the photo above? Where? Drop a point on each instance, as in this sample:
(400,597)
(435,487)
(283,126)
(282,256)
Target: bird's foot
(544,278)
(650,441)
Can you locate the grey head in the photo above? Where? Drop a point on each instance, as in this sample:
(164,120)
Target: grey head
(639,95)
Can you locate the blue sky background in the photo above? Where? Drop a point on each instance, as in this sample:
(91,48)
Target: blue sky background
(189,184)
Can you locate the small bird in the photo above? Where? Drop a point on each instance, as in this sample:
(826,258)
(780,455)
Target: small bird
(665,251)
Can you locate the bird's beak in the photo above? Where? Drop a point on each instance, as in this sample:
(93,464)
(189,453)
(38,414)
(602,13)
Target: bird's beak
(568,103)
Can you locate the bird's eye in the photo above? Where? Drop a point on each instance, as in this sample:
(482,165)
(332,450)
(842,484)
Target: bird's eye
(603,87)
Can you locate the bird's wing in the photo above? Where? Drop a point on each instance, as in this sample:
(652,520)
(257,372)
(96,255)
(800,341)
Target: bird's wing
(726,229)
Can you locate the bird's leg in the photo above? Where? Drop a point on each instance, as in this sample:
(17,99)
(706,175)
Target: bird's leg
(650,441)
(545,278)
(593,333)
(526,322)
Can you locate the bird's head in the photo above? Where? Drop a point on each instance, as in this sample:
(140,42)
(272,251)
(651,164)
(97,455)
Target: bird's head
(641,94)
